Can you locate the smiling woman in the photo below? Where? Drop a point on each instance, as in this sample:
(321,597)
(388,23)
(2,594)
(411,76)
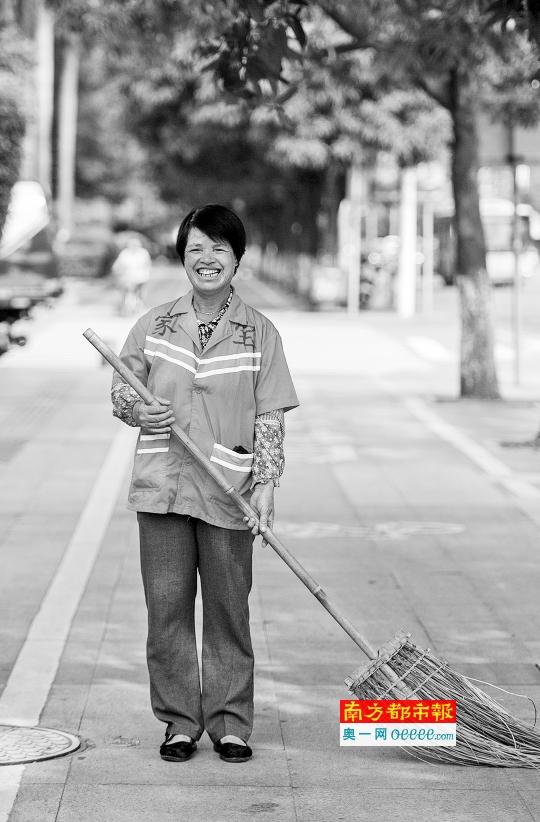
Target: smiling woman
(217,368)
(210,267)
(211,242)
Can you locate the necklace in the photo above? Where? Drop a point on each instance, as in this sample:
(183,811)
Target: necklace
(209,313)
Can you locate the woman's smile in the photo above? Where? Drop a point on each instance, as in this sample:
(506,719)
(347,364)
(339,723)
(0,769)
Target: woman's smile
(208,273)
(210,265)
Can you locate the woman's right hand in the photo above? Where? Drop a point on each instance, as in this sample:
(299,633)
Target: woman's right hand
(157,417)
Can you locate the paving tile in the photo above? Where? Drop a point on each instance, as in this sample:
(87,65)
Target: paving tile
(472,596)
(114,763)
(37,802)
(362,803)
(228,801)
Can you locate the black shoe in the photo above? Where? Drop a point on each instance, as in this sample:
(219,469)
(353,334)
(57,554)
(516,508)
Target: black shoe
(177,751)
(232,752)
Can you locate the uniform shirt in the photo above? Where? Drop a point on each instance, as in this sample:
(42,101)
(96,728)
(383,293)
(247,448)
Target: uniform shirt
(268,455)
(216,400)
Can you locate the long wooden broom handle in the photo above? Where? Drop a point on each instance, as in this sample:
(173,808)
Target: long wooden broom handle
(303,575)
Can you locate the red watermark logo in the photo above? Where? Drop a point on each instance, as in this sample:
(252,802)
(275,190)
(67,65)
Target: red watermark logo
(426,722)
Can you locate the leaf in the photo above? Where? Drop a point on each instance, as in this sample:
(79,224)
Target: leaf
(297,28)
(211,64)
(255,10)
(286,95)
(256,69)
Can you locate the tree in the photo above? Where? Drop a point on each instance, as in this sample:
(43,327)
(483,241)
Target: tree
(33,22)
(348,108)
(191,140)
(441,48)
(14,62)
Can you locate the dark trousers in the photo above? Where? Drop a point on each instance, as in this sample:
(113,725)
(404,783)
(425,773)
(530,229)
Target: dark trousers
(173,548)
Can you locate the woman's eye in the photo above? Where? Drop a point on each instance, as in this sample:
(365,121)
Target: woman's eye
(199,250)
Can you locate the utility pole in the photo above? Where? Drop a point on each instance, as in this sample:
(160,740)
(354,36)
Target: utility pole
(350,235)
(44,74)
(406,279)
(37,21)
(67,134)
(428,254)
(517,308)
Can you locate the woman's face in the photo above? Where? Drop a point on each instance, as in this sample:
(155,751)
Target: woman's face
(210,264)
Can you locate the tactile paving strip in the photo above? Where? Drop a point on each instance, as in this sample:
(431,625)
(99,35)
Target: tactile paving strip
(24,744)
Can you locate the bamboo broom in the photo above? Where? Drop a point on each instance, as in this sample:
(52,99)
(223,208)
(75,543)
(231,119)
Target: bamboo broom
(487,734)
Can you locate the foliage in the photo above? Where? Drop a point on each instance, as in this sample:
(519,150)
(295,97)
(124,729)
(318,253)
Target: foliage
(509,82)
(463,56)
(523,14)
(110,161)
(14,61)
(252,41)
(346,102)
(261,149)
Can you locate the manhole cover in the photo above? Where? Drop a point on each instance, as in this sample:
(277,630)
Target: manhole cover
(377,531)
(21,744)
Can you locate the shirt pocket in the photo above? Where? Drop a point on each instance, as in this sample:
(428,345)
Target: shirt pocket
(235,467)
(151,459)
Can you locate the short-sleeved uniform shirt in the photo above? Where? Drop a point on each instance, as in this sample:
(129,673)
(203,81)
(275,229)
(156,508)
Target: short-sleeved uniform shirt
(215,396)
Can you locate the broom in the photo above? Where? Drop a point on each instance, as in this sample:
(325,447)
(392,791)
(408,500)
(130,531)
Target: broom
(487,734)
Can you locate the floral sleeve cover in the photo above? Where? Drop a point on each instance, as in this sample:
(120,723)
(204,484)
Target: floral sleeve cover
(124,399)
(268,456)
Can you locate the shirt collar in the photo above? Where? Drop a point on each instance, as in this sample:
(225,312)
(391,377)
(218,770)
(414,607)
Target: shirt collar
(236,312)
(217,317)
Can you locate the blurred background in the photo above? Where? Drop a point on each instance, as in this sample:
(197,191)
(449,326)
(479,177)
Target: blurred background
(382,159)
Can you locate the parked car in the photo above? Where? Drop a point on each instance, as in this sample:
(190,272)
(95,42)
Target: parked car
(28,269)
(13,312)
(28,265)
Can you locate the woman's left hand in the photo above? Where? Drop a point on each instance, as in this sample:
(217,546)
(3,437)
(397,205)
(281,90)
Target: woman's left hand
(262,501)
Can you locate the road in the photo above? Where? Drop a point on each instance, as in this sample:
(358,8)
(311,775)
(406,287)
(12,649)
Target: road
(401,502)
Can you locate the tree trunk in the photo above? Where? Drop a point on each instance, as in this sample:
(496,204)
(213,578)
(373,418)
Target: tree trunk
(329,212)
(45,92)
(37,154)
(350,234)
(478,377)
(7,13)
(67,134)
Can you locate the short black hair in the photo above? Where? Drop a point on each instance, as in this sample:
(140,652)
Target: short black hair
(216,221)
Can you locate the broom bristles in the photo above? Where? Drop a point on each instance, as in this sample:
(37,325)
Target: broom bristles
(487,734)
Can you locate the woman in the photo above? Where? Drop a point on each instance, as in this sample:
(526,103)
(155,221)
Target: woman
(217,368)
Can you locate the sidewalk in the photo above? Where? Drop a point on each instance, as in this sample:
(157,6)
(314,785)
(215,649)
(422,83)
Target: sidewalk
(398,523)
